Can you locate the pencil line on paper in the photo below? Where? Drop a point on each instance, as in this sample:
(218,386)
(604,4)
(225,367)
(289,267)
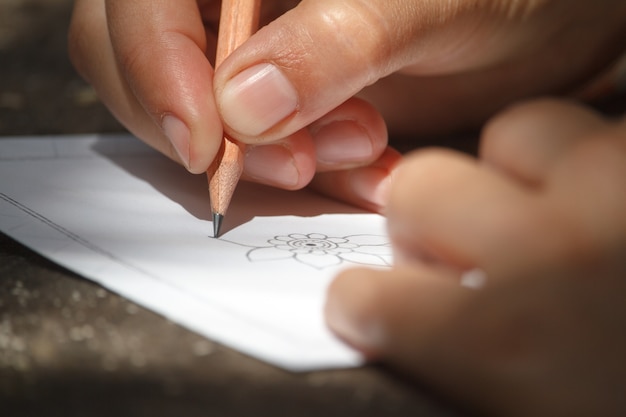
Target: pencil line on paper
(277,332)
(321,251)
(71,235)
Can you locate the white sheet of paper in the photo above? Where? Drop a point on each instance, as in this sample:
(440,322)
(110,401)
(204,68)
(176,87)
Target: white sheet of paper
(118,213)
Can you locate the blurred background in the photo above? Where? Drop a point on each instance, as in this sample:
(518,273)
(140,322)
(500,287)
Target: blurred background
(40,93)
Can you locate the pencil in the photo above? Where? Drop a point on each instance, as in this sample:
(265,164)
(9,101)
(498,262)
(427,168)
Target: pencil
(238,21)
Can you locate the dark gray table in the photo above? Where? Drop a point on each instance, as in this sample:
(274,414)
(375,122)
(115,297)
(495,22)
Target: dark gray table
(69,347)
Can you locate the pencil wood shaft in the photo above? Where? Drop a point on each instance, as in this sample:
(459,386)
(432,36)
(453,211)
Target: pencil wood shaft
(238,21)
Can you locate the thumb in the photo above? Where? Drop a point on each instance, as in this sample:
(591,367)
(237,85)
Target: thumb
(309,61)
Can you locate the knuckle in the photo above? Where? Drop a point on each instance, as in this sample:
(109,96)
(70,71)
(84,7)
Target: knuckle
(424,175)
(363,31)
(501,125)
(422,165)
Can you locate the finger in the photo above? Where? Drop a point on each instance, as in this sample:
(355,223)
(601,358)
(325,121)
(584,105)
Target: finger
(160,47)
(446,207)
(288,163)
(526,140)
(392,313)
(322,52)
(510,349)
(352,135)
(92,55)
(366,187)
(313,58)
(423,322)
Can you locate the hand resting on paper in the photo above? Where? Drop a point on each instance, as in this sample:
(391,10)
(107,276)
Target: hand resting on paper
(541,217)
(426,67)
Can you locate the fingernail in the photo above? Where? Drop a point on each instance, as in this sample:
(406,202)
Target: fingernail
(178,134)
(256,99)
(372,185)
(271,165)
(342,142)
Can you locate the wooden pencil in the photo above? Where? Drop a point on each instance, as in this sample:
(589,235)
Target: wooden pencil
(238,21)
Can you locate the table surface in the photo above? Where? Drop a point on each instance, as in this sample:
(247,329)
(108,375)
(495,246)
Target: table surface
(69,347)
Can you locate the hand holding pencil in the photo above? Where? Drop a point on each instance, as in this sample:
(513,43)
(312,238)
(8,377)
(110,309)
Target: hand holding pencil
(288,92)
(152,64)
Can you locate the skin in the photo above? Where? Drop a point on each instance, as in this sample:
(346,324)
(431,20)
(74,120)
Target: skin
(423,66)
(540,213)
(544,335)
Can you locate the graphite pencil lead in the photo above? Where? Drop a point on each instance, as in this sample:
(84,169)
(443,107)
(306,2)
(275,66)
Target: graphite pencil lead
(217,224)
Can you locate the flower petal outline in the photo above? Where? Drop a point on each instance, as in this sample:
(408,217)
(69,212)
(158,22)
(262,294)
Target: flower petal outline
(268,253)
(318,261)
(365,259)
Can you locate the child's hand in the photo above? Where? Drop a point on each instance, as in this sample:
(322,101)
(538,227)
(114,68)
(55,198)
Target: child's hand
(543,215)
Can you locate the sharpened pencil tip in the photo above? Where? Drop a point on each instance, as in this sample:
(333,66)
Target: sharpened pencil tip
(217,224)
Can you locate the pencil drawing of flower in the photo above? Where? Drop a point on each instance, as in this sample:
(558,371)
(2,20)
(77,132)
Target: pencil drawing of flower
(321,251)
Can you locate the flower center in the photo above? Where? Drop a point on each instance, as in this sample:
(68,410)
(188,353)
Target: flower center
(312,244)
